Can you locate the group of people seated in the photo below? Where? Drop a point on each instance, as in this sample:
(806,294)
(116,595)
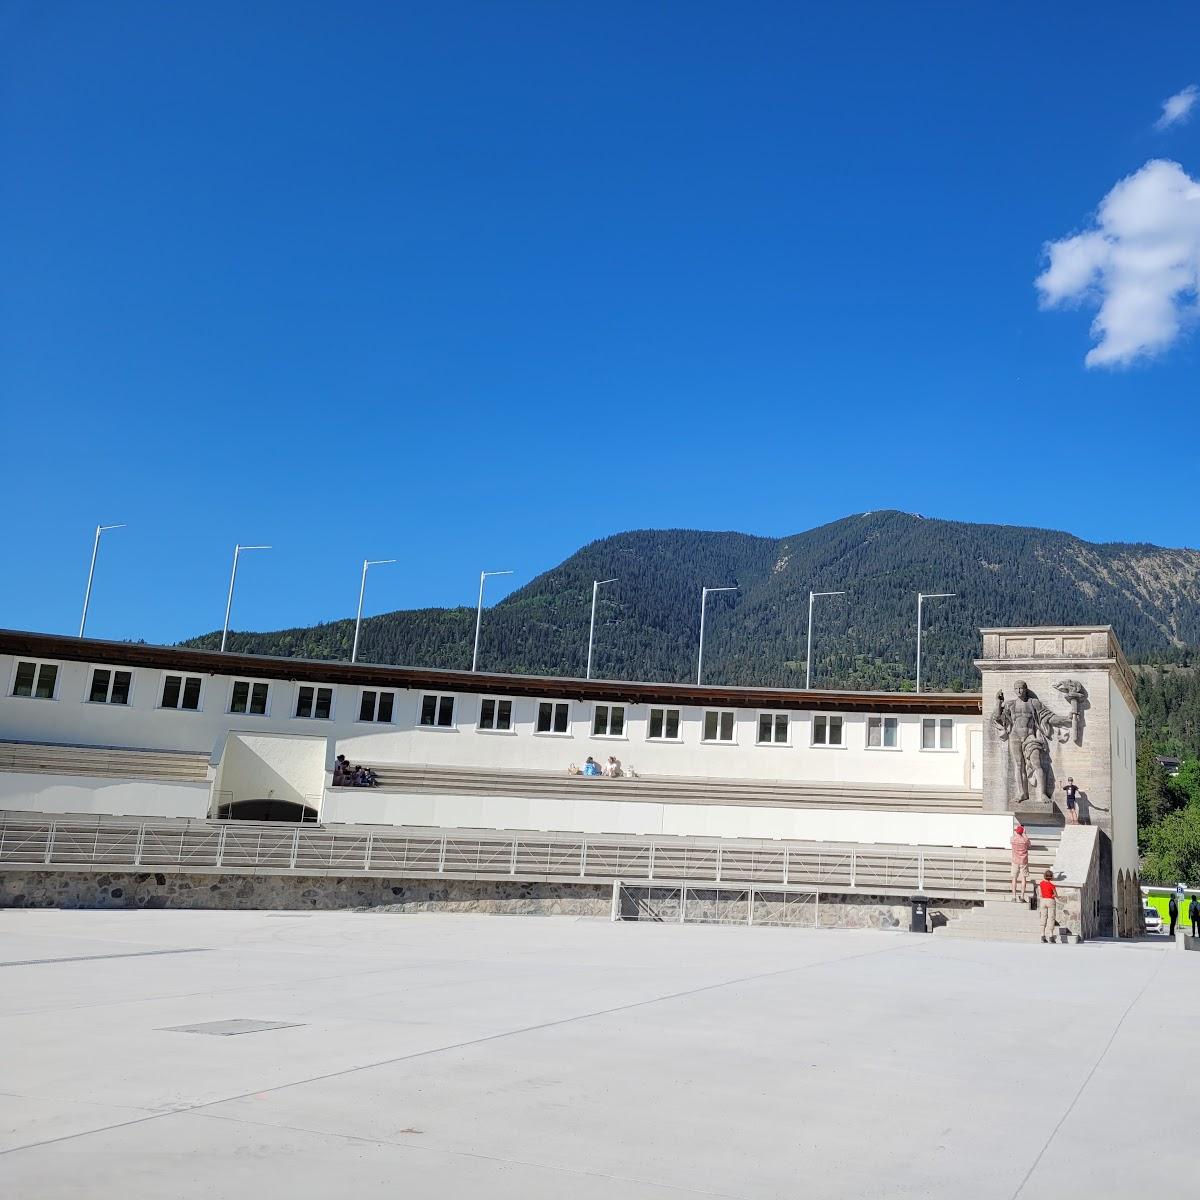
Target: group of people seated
(610,770)
(345,775)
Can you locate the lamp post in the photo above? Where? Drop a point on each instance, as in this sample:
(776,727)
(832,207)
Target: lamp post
(921,598)
(597,584)
(808,644)
(237,550)
(704,595)
(362,587)
(483,575)
(87,595)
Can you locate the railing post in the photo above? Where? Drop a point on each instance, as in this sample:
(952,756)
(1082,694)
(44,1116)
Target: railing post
(220,846)
(616,895)
(750,906)
(442,857)
(583,860)
(853,868)
(650,870)
(139,846)
(718,880)
(50,841)
(920,872)
(512,866)
(787,860)
(985,858)
(295,847)
(367,851)
(682,901)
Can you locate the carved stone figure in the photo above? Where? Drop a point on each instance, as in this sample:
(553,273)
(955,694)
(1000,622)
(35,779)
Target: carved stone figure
(1076,695)
(1028,726)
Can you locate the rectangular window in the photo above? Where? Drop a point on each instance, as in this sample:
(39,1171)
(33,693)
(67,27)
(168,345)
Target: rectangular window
(376,706)
(35,680)
(110,687)
(495,714)
(553,716)
(937,733)
(609,721)
(718,726)
(437,712)
(772,729)
(883,733)
(248,697)
(826,730)
(314,703)
(664,725)
(181,691)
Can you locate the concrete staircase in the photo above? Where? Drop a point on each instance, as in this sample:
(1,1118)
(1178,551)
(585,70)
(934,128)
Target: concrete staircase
(421,778)
(997,920)
(103,762)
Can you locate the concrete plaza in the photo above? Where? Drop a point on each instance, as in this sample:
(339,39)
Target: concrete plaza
(546,1057)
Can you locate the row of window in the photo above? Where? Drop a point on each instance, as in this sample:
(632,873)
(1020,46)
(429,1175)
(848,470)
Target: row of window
(38,680)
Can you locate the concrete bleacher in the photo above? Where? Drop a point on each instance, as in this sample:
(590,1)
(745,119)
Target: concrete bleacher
(423,778)
(103,762)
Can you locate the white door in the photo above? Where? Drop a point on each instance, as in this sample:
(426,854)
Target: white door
(977,759)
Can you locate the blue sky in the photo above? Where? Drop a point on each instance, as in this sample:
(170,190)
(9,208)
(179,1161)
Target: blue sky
(469,285)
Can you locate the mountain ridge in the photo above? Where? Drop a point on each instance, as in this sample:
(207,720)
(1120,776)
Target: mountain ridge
(648,622)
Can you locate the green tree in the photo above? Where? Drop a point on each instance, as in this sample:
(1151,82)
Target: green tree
(1186,781)
(1173,849)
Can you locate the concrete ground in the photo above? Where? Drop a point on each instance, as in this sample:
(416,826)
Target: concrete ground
(548,1056)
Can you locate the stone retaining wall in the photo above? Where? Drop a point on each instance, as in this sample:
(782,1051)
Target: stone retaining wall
(147,889)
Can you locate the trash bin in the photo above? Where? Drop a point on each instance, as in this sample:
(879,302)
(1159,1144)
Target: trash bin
(920,915)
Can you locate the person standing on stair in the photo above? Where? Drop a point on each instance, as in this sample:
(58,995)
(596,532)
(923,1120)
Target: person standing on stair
(1020,861)
(1173,913)
(1072,801)
(1049,902)
(1194,916)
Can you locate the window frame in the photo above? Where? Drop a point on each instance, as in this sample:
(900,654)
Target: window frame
(827,745)
(183,677)
(664,709)
(552,732)
(377,692)
(732,740)
(436,726)
(883,719)
(492,729)
(37,664)
(623,736)
(317,688)
(251,684)
(113,672)
(939,748)
(774,714)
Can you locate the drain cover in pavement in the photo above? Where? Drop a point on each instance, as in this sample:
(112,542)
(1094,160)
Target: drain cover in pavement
(231,1028)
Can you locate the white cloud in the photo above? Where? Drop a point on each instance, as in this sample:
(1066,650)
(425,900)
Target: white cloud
(1178,107)
(1140,264)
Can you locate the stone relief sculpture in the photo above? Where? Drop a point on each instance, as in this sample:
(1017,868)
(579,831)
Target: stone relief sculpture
(1075,694)
(1028,727)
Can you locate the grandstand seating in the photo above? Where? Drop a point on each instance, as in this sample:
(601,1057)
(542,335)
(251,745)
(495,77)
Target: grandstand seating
(103,762)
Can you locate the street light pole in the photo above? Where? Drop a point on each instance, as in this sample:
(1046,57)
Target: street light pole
(87,595)
(921,598)
(597,584)
(704,594)
(808,644)
(237,550)
(483,575)
(362,587)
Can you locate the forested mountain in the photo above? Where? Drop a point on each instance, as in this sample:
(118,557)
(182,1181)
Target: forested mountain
(648,621)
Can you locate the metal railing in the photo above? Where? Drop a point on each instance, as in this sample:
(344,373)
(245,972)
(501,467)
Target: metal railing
(30,840)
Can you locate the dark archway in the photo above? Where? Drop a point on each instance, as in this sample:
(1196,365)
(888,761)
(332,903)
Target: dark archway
(267,810)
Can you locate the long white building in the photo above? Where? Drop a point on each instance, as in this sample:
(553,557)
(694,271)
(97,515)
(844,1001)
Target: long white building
(108,729)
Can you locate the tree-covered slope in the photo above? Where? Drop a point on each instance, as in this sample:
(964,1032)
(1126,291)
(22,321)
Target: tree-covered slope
(648,621)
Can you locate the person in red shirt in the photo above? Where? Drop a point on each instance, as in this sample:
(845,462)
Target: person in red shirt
(1020,861)
(1048,900)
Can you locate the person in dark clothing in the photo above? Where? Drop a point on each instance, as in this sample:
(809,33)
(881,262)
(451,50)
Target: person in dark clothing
(1173,913)
(1194,916)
